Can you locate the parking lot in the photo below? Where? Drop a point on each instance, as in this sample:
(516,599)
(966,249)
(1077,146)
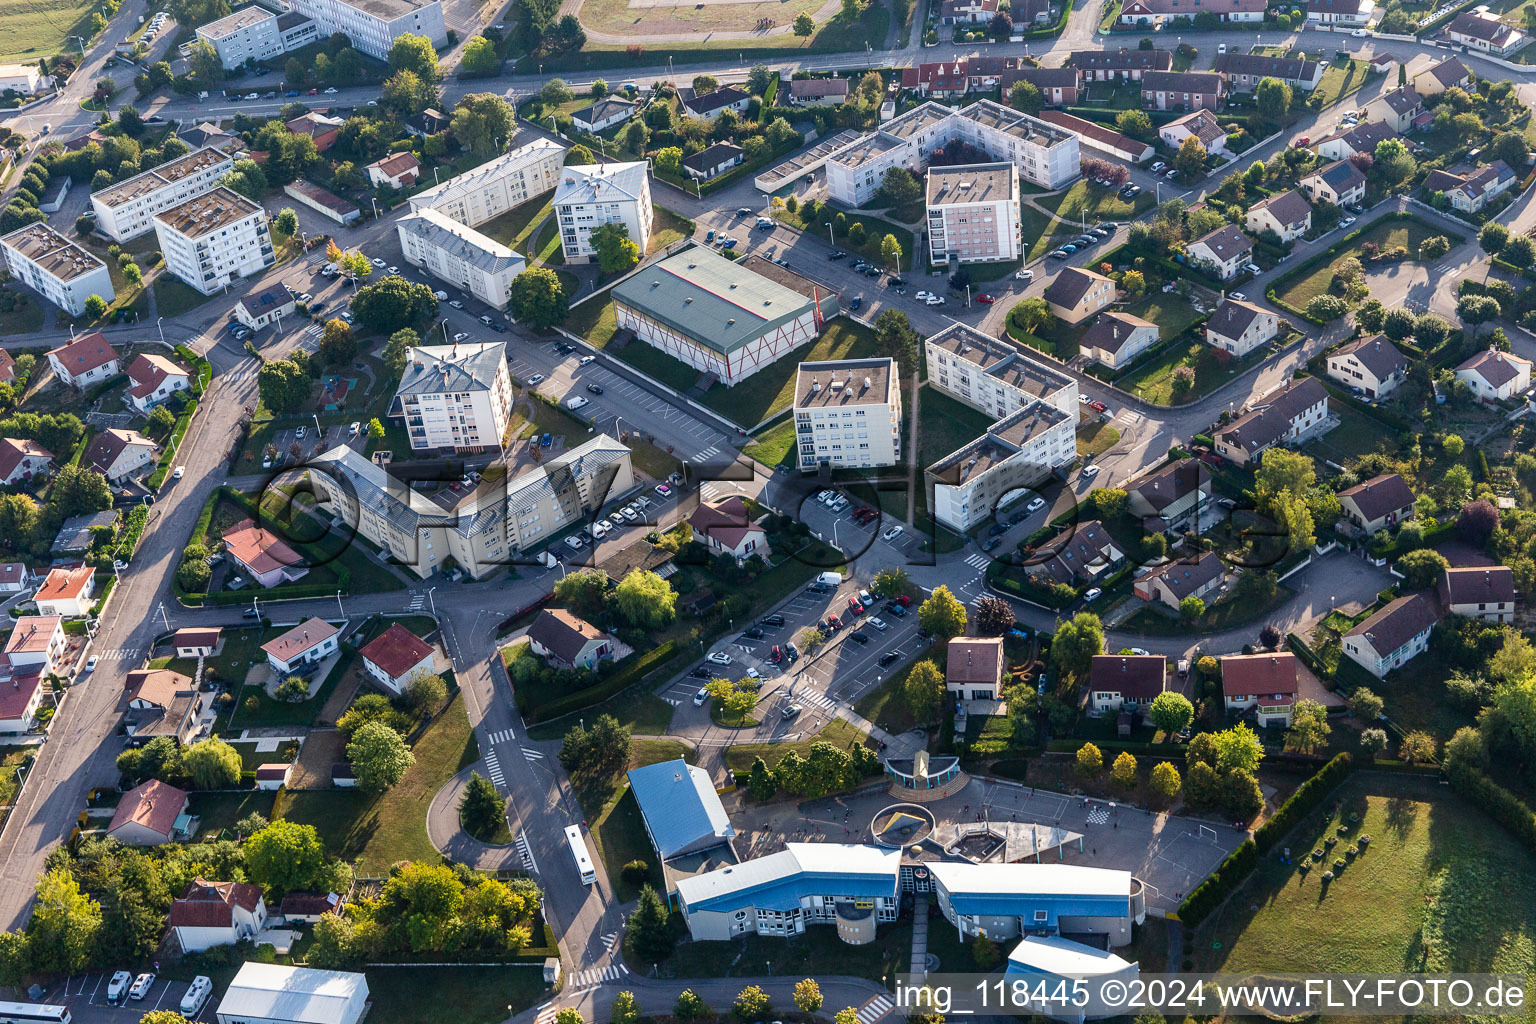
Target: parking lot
(86,997)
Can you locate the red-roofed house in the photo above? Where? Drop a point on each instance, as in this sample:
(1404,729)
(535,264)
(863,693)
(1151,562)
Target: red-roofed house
(263,554)
(13,577)
(20,697)
(67,592)
(1263,683)
(152,379)
(21,459)
(36,644)
(117,454)
(396,656)
(273,775)
(196,643)
(726,527)
(217,914)
(7,367)
(149,814)
(398,170)
(86,360)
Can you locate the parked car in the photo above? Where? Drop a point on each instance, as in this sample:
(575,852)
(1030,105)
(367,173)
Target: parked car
(586,360)
(1035,505)
(700,672)
(1024,275)
(887,658)
(117,988)
(537,378)
(773,620)
(1093,593)
(700,697)
(858,637)
(719,658)
(663,490)
(891,534)
(985,299)
(596,389)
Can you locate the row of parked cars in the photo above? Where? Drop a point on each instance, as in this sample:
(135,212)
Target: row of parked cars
(626,515)
(1093,236)
(863,515)
(124,986)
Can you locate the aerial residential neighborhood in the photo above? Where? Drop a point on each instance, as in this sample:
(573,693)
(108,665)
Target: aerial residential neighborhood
(540,513)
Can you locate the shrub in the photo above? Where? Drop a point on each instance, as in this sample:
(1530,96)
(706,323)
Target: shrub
(635,872)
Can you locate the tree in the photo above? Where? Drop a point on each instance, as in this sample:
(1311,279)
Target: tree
(394,302)
(1520,251)
(160,422)
(484,122)
(645,600)
(890,252)
(481,809)
(425,691)
(1365,705)
(599,752)
(212,764)
(994,616)
(569,1015)
(635,136)
(1421,569)
(1001,26)
(1474,310)
(804,26)
(625,1010)
(1031,314)
(924,690)
(555,92)
(538,298)
(751,1002)
(65,923)
(648,937)
(1462,750)
(15,959)
(807,996)
(1171,712)
(1090,761)
(1134,123)
(336,344)
(1418,748)
(1191,608)
(77,490)
(247,178)
(1165,780)
(1373,740)
(1309,727)
(285,856)
(1124,772)
(398,348)
(942,614)
(669,160)
(289,154)
(1272,97)
(286,222)
(1492,237)
(847,1015)
(1477,520)
(1190,160)
(1075,644)
(415,54)
(1392,162)
(204,63)
(1025,97)
(758,79)
(95,307)
(585,591)
(282,385)
(379,757)
(1434,247)
(479,58)
(406,94)
(1510,147)
(616,251)
(891,582)
(1430,330)
(760,781)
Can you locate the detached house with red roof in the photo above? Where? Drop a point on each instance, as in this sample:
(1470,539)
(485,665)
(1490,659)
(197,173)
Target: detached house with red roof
(398,170)
(396,656)
(36,644)
(150,814)
(152,379)
(566,640)
(263,554)
(1262,683)
(86,360)
(67,592)
(21,459)
(217,914)
(21,694)
(726,527)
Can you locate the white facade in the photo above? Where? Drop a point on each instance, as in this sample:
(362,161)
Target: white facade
(310,641)
(1494,376)
(493,188)
(454,396)
(56,268)
(590,195)
(23,78)
(460,255)
(1240,327)
(848,413)
(248,34)
(973,213)
(1016,452)
(374,25)
(275,994)
(215,239)
(127,209)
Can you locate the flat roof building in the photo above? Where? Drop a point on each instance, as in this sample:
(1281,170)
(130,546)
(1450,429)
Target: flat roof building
(277,994)
(848,414)
(215,239)
(973,213)
(127,209)
(56,268)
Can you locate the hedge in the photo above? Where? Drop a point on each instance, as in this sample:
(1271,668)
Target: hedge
(1307,796)
(626,675)
(1499,803)
(202,369)
(1209,894)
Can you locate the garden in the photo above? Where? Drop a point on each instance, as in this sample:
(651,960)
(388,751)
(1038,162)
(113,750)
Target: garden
(1392,234)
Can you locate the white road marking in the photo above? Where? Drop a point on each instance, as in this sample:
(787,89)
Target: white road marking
(493,767)
(874,1009)
(532,755)
(503,736)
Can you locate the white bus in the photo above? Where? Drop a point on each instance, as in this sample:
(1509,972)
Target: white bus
(28,1013)
(578,845)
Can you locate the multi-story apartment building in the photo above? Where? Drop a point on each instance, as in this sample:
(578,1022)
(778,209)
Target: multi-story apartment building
(993,375)
(1015,453)
(455,396)
(1044,154)
(254,33)
(214,239)
(127,209)
(848,414)
(493,188)
(374,25)
(591,195)
(973,213)
(56,268)
(459,255)
(484,529)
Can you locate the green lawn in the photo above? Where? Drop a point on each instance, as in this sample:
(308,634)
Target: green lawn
(886,704)
(1035,230)
(173,298)
(41,28)
(772,388)
(619,835)
(593,320)
(1357,434)
(476,994)
(1095,438)
(270,712)
(804,955)
(740,756)
(874,227)
(642,711)
(25,318)
(668,369)
(1388,232)
(515,228)
(667,228)
(1440,888)
(1341,79)
(373,832)
(218,811)
(1086,200)
(773,445)
(944,424)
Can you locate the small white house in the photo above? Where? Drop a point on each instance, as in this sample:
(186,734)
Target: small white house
(150,814)
(274,775)
(1288,215)
(1393,636)
(396,656)
(217,914)
(1238,328)
(196,642)
(604,114)
(1226,251)
(152,379)
(67,592)
(85,361)
(118,454)
(14,577)
(310,641)
(1494,375)
(398,170)
(267,306)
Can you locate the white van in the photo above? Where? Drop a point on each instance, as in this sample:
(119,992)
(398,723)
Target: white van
(575,402)
(197,995)
(830,579)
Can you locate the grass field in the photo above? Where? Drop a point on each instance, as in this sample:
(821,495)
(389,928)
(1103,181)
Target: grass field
(809,954)
(26,318)
(1096,438)
(1387,233)
(740,756)
(1356,435)
(515,228)
(173,298)
(30,29)
(619,16)
(836,35)
(944,424)
(667,228)
(617,831)
(1094,202)
(886,704)
(774,444)
(478,994)
(1440,888)
(772,388)
(593,320)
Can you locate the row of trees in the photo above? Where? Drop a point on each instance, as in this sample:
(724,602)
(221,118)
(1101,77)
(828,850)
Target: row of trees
(826,768)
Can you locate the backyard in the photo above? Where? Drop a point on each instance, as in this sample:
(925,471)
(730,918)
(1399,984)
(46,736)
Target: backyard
(1356,435)
(1152,381)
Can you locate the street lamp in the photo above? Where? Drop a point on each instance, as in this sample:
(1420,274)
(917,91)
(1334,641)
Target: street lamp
(160,329)
(318,432)
(339,608)
(433,601)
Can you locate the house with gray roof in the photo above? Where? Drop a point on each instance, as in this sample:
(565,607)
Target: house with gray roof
(1470,189)
(1370,366)
(1245,71)
(1339,183)
(604,114)
(1393,636)
(1288,215)
(455,396)
(1238,327)
(459,255)
(1183,90)
(1289,415)
(1377,504)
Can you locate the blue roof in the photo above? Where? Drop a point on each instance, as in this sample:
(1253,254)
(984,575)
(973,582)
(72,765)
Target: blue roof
(681,809)
(779,880)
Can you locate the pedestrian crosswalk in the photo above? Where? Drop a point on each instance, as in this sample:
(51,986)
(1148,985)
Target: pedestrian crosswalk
(314,330)
(119,654)
(676,702)
(611,940)
(417,602)
(546,1014)
(977,560)
(597,975)
(874,1009)
(821,700)
(493,767)
(705,454)
(532,755)
(502,736)
(526,853)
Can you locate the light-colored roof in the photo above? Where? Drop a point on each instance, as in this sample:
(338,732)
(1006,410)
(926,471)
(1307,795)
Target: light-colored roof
(778,880)
(973,183)
(310,633)
(212,211)
(160,176)
(157,686)
(1059,957)
(680,807)
(606,183)
(508,163)
(478,250)
(300,995)
(844,382)
(240,20)
(448,369)
(32,634)
(51,251)
(971,884)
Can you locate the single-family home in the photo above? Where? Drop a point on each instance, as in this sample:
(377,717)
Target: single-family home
(1115,339)
(710,104)
(1374,366)
(1201,126)
(163,703)
(1238,327)
(1077,294)
(604,114)
(1288,215)
(118,454)
(1124,65)
(1173,581)
(21,695)
(311,641)
(712,161)
(1377,504)
(266,306)
(79,533)
(1393,636)
(1083,553)
(429,122)
(273,775)
(1396,109)
(398,171)
(13,577)
(1442,75)
(1170,498)
(1288,415)
(22,459)
(1118,680)
(1494,375)
(1183,90)
(1479,592)
(397,656)
(263,554)
(196,641)
(1470,189)
(1339,12)
(86,360)
(1354,140)
(36,644)
(967,12)
(1245,71)
(1486,32)
(974,670)
(67,592)
(320,127)
(1154,13)
(566,640)
(149,814)
(152,379)
(217,914)
(726,527)
(1263,683)
(7,367)
(830,91)
(1340,183)
(1226,251)
(1058,86)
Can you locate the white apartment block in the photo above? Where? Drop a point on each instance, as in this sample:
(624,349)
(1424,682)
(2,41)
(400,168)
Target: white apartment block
(493,188)
(848,414)
(214,239)
(1044,154)
(460,255)
(455,396)
(374,25)
(992,374)
(26,79)
(591,195)
(127,209)
(56,268)
(483,530)
(248,34)
(973,213)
